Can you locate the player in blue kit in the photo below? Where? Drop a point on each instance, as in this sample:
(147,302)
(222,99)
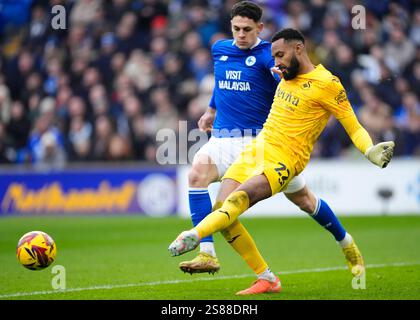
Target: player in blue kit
(242,98)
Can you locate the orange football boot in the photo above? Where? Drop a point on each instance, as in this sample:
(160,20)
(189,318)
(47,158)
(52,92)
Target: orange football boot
(262,286)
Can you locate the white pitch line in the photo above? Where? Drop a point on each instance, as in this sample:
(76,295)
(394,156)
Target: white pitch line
(142,284)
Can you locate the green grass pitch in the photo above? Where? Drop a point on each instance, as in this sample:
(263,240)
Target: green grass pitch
(126,257)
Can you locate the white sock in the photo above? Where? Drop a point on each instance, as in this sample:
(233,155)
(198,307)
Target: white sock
(267,275)
(208,247)
(346,241)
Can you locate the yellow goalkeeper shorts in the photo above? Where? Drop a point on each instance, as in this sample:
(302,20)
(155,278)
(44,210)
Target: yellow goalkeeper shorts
(261,157)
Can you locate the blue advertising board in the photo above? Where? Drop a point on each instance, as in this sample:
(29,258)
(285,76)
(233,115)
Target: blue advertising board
(89,191)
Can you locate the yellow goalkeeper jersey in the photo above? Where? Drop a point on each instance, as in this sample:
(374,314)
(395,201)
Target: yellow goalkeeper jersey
(300,112)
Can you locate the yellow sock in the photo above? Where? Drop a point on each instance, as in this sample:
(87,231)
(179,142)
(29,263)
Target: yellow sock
(217,205)
(220,219)
(239,238)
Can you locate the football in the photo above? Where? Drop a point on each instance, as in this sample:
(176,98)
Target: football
(36,250)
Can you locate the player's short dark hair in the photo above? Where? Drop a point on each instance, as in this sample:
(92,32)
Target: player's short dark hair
(247,9)
(288,34)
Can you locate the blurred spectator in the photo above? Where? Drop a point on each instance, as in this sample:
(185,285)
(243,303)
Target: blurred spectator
(140,70)
(4,148)
(14,14)
(409,121)
(119,149)
(18,70)
(203,21)
(38,27)
(104,130)
(343,65)
(325,50)
(5,103)
(165,116)
(46,145)
(79,139)
(18,127)
(333,141)
(127,39)
(115,9)
(297,16)
(141,140)
(108,46)
(399,49)
(77,107)
(373,114)
(99,101)
(415,28)
(84,11)
(64,95)
(33,85)
(201,64)
(385,88)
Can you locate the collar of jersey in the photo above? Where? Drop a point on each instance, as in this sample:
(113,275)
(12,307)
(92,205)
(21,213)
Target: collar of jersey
(256,43)
(309,74)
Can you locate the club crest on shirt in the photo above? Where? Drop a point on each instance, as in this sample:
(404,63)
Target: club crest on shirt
(250,61)
(306,85)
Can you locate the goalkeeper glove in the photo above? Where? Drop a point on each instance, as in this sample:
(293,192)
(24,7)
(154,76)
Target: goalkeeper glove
(381,153)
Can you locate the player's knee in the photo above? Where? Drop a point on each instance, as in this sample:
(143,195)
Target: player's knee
(198,178)
(217,205)
(306,204)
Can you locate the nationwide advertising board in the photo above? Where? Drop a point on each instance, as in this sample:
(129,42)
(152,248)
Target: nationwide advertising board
(149,191)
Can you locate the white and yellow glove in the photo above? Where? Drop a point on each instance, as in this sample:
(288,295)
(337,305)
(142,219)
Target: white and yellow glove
(381,153)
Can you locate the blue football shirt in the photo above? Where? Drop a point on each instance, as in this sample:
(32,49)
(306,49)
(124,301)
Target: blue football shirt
(244,86)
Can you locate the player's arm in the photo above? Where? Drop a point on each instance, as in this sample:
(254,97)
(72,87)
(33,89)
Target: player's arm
(379,154)
(337,103)
(276,72)
(206,121)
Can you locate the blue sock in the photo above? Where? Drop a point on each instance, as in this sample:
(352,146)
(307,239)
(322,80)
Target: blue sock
(326,218)
(200,207)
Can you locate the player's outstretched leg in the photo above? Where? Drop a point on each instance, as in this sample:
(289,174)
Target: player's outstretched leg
(239,238)
(326,218)
(253,190)
(263,285)
(185,242)
(354,258)
(319,210)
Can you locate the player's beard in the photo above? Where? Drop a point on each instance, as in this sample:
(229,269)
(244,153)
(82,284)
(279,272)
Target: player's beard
(292,70)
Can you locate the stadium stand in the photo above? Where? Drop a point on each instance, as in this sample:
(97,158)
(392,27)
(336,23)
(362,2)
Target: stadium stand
(100,89)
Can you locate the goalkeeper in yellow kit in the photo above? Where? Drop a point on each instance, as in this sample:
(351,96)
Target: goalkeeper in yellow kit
(302,105)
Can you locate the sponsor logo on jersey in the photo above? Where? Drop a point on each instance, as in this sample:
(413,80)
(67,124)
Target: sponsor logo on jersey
(234,85)
(224,58)
(341,97)
(288,97)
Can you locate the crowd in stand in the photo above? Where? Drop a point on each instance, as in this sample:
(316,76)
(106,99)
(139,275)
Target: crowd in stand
(102,87)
